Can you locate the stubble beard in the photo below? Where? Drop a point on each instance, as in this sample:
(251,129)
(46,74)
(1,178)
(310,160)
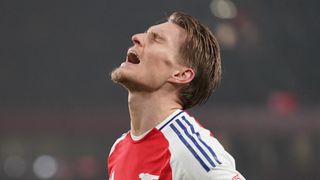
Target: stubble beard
(116,76)
(130,84)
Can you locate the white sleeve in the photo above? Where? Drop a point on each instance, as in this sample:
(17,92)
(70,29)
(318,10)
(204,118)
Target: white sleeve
(195,154)
(224,171)
(188,162)
(227,169)
(221,173)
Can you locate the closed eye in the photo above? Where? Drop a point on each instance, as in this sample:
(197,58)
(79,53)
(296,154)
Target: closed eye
(155,36)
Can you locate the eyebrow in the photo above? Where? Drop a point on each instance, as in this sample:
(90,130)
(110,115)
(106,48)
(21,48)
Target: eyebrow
(156,34)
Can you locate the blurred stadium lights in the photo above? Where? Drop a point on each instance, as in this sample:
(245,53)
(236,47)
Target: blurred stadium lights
(14,166)
(225,32)
(241,28)
(224,9)
(45,167)
(226,35)
(283,102)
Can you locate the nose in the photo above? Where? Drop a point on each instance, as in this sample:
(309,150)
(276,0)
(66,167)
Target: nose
(137,39)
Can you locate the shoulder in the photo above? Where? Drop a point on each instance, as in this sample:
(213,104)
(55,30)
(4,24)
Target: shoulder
(194,151)
(120,139)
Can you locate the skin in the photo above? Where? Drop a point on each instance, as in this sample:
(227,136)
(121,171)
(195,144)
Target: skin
(153,84)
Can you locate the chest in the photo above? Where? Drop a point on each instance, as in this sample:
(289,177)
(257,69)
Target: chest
(145,159)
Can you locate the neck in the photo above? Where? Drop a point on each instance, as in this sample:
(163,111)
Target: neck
(147,110)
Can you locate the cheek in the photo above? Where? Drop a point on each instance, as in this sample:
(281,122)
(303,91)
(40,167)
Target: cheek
(160,60)
(159,68)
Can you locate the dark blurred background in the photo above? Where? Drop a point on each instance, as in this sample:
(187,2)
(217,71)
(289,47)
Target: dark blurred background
(60,113)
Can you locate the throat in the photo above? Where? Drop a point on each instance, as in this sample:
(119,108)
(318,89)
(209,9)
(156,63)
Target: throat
(139,137)
(147,110)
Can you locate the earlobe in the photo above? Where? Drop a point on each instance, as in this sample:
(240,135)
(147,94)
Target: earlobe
(182,76)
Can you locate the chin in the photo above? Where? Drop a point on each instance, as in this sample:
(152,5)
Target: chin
(121,74)
(116,75)
(120,77)
(130,82)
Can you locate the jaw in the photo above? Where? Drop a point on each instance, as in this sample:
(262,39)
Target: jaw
(142,77)
(126,76)
(133,83)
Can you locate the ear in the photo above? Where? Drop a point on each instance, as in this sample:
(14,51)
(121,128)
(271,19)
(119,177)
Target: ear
(182,76)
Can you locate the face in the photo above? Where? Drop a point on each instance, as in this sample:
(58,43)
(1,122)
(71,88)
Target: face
(153,58)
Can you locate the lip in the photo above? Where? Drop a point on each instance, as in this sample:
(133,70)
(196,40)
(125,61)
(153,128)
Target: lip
(132,52)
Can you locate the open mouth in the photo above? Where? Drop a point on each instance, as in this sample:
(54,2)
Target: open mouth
(133,58)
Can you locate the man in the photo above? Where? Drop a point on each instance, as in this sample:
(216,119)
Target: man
(171,67)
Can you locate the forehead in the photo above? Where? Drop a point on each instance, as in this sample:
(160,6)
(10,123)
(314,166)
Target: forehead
(169,31)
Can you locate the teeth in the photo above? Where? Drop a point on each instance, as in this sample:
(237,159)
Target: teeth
(134,53)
